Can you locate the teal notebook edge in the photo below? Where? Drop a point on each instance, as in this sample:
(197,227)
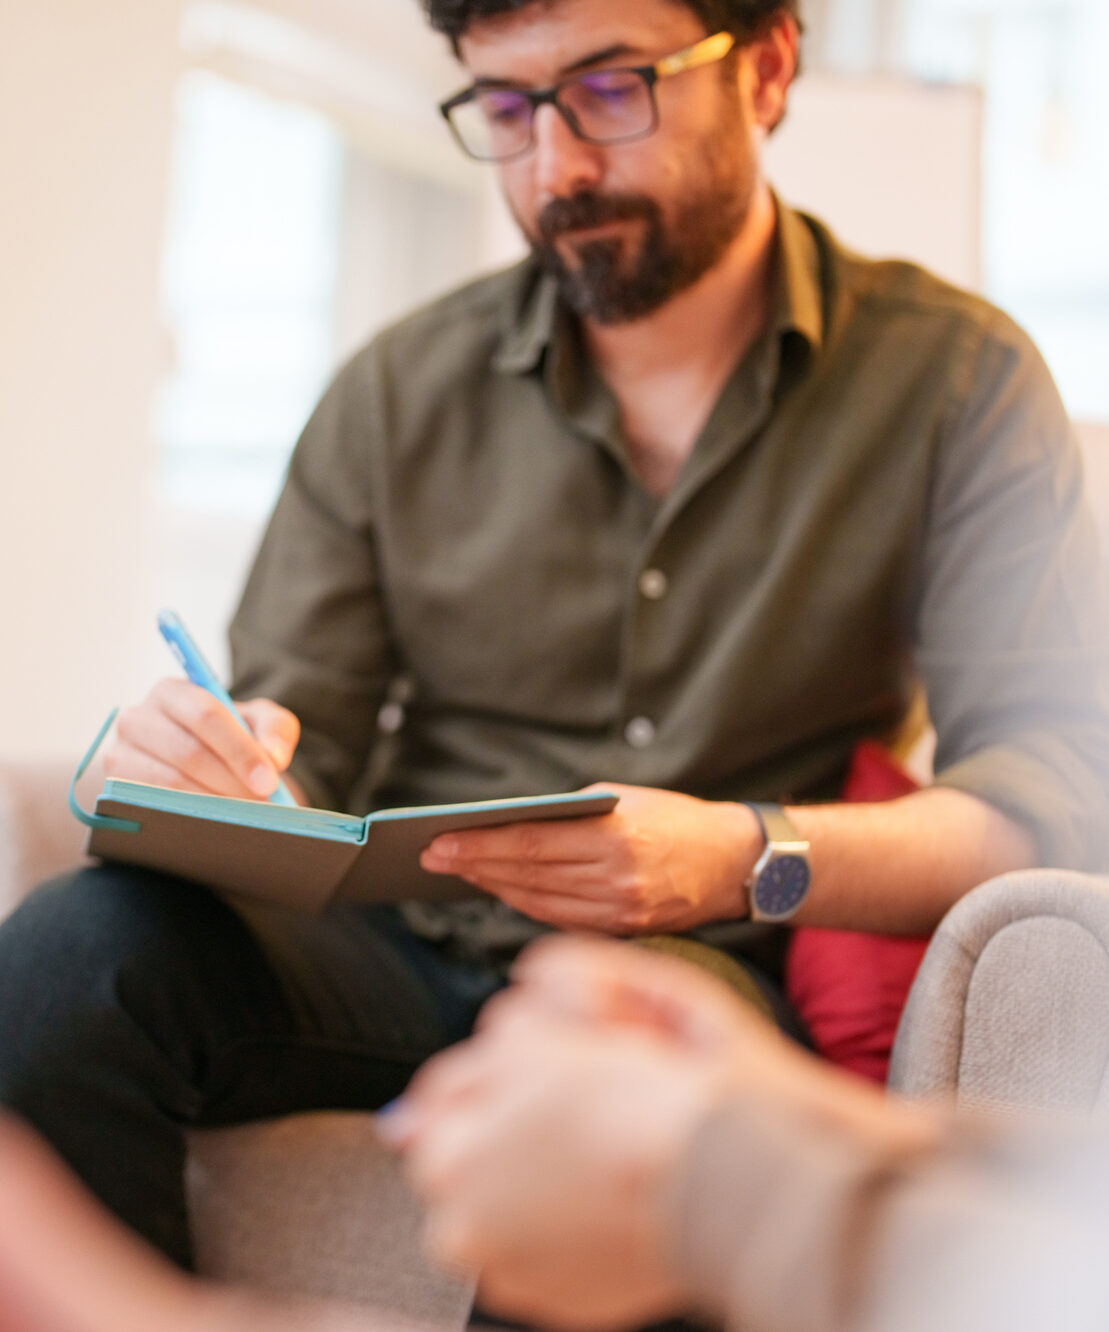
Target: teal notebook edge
(324,825)
(303,822)
(509,804)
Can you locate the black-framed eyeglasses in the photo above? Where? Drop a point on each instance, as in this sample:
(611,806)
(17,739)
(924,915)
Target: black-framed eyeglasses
(495,123)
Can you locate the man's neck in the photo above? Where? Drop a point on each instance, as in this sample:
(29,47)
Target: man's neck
(668,369)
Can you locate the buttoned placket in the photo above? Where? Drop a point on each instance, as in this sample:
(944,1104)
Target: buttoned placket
(579,394)
(549,342)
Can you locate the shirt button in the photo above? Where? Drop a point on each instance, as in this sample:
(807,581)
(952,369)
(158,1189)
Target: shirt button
(402,690)
(390,718)
(653,584)
(639,732)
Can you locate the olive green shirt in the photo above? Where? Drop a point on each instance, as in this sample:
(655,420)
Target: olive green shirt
(465,591)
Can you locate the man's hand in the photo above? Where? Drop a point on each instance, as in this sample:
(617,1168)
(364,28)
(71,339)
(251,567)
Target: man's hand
(659,862)
(548,1146)
(182,737)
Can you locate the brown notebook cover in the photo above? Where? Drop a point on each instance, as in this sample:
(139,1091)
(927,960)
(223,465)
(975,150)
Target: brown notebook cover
(301,858)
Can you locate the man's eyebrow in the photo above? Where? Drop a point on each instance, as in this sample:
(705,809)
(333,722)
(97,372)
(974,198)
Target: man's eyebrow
(600,57)
(576,67)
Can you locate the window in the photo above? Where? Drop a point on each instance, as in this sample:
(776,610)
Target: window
(1046,165)
(249,290)
(1045,162)
(288,245)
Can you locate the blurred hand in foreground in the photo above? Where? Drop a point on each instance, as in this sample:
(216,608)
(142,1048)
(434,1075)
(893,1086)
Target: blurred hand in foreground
(548,1145)
(66,1265)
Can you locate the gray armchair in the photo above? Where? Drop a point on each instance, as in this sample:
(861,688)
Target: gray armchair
(1010,1009)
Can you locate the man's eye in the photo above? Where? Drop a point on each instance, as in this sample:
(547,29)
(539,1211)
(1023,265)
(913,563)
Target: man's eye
(502,110)
(610,90)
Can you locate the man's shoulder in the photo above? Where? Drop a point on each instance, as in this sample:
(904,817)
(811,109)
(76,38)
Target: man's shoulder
(454,332)
(889,289)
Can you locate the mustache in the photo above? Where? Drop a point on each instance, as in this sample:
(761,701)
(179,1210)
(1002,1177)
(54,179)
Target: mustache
(590,209)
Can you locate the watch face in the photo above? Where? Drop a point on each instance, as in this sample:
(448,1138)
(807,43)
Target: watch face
(782,885)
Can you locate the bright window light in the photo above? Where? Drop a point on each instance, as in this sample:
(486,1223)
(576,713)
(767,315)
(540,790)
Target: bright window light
(1045,167)
(249,290)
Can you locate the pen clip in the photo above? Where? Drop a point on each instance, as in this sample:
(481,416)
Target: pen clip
(98,820)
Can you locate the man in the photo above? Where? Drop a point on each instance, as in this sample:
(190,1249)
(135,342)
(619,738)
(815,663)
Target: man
(621,1142)
(689,503)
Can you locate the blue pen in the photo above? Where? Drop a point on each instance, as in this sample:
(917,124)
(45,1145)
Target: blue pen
(183,647)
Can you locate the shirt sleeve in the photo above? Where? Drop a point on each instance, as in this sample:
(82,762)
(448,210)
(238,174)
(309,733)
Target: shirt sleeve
(1011,626)
(311,630)
(783,1223)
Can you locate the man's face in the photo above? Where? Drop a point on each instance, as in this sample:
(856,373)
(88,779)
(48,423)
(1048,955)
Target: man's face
(623,227)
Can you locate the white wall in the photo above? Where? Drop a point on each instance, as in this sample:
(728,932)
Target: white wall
(910,184)
(87,550)
(85,104)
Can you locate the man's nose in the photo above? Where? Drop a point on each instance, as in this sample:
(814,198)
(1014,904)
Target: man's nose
(564,164)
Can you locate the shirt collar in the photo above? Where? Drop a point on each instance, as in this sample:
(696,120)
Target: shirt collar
(799,300)
(531,318)
(533,321)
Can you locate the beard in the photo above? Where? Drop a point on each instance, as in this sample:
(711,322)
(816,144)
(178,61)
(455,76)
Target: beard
(622,278)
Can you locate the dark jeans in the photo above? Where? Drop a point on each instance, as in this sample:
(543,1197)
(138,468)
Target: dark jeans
(133,1005)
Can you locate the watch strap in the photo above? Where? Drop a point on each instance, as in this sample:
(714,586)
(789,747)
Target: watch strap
(776,824)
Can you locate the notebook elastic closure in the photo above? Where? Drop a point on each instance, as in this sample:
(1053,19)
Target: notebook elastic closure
(98,820)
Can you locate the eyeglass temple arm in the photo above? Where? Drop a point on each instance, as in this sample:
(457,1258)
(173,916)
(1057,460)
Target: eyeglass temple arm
(704,53)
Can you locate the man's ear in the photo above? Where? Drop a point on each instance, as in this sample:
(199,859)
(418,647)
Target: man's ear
(769,64)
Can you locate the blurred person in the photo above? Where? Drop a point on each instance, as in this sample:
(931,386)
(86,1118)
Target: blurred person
(622,1142)
(688,503)
(604,1150)
(66,1265)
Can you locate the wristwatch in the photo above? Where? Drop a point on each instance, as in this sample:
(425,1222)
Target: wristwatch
(779,883)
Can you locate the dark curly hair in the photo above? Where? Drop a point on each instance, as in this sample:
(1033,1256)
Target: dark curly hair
(745,18)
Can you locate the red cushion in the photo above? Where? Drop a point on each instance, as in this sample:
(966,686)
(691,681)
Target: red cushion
(850,988)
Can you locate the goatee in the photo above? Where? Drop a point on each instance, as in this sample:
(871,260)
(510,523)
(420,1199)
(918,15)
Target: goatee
(620,278)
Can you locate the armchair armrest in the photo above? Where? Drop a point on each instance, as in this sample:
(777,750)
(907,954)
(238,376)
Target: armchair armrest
(1010,1007)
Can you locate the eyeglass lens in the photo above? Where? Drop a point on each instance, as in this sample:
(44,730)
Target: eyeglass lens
(606,106)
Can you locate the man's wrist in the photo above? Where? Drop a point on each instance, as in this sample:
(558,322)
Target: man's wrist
(749,841)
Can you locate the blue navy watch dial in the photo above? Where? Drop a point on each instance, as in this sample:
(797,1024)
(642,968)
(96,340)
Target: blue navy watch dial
(781,887)
(781,877)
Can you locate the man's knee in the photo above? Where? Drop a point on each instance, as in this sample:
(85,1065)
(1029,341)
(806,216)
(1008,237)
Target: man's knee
(108,957)
(110,920)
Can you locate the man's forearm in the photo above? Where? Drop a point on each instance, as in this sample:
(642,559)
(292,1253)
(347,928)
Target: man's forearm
(790,1221)
(774,1208)
(898,866)
(662,862)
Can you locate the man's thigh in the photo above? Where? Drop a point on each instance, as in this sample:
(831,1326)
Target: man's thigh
(221,1012)
(366,1002)
(134,1005)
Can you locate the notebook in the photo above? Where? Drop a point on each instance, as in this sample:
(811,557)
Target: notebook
(300,858)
